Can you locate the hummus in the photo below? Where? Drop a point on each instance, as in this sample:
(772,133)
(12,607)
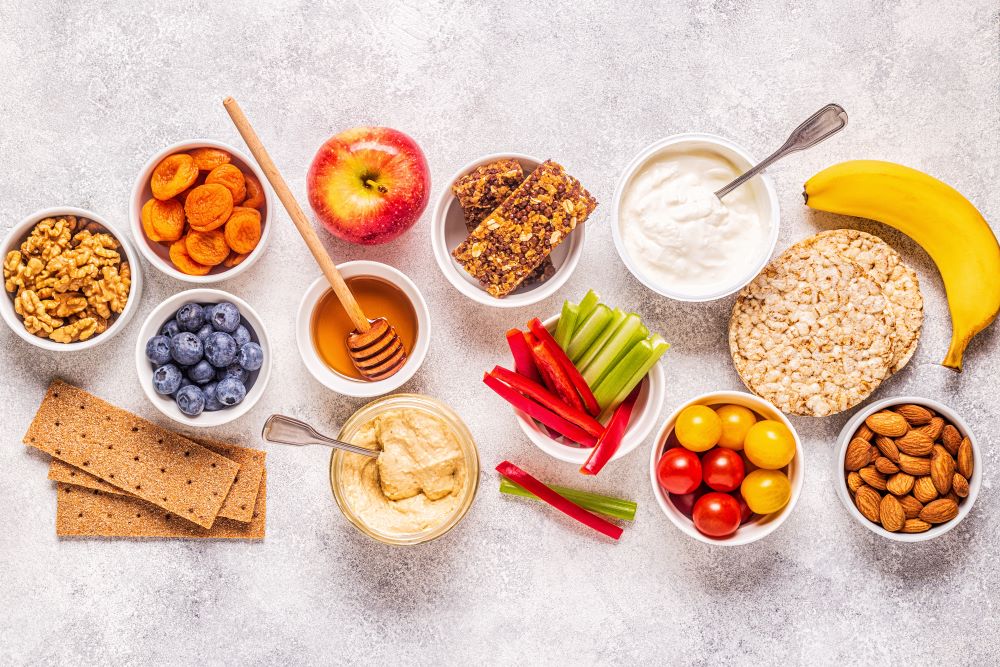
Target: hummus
(415,484)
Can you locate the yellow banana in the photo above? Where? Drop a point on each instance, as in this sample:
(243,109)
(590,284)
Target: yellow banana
(936,216)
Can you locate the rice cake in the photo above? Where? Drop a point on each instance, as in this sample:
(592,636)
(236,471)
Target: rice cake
(813,333)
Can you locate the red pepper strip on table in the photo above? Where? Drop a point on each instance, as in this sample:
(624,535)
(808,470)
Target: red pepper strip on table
(611,439)
(539,412)
(581,386)
(526,481)
(553,374)
(540,394)
(524,361)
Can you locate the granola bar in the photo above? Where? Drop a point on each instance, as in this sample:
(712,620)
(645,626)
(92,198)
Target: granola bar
(516,238)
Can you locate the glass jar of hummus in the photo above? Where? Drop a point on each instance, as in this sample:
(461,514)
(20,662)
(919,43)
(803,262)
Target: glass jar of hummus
(423,482)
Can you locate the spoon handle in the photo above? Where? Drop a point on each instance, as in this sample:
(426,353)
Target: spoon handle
(290,431)
(823,124)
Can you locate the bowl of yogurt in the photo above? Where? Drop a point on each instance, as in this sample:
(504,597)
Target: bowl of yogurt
(679,239)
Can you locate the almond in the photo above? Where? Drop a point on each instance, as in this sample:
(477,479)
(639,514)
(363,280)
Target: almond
(864,432)
(856,457)
(942,471)
(889,424)
(916,415)
(939,511)
(915,443)
(933,429)
(873,478)
(885,466)
(924,489)
(900,484)
(873,453)
(890,514)
(913,465)
(854,481)
(951,439)
(915,526)
(960,485)
(911,506)
(868,500)
(965,462)
(953,497)
(888,448)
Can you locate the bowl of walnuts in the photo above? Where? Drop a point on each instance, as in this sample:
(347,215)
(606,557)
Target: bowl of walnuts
(909,468)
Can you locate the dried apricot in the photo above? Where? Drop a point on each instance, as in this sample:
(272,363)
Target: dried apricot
(147,221)
(255,192)
(243,229)
(235,259)
(167,219)
(208,206)
(208,248)
(173,175)
(182,197)
(230,176)
(208,158)
(182,260)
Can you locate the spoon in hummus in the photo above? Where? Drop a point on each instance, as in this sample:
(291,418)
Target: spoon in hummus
(821,125)
(290,431)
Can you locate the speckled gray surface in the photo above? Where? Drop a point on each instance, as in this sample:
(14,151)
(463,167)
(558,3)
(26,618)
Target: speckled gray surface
(90,90)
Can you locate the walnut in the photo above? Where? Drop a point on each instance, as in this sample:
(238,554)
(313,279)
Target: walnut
(110,293)
(49,238)
(103,246)
(65,304)
(17,274)
(79,330)
(36,319)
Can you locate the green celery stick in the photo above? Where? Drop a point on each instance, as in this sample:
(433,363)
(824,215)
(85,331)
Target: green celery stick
(629,333)
(659,346)
(567,323)
(622,372)
(588,331)
(617,317)
(612,507)
(587,305)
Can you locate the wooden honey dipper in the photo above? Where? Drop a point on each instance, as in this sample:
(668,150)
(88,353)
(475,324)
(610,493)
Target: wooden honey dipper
(375,347)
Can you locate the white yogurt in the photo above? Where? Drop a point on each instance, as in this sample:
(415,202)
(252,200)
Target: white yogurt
(679,235)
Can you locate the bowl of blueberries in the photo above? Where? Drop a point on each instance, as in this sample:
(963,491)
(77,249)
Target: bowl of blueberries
(203,357)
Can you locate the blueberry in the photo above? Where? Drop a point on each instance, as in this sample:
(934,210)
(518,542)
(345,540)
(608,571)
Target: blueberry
(170,329)
(190,317)
(220,349)
(186,348)
(225,317)
(184,381)
(190,400)
(158,350)
(207,311)
(201,372)
(250,357)
(204,332)
(230,391)
(233,370)
(211,400)
(241,336)
(166,379)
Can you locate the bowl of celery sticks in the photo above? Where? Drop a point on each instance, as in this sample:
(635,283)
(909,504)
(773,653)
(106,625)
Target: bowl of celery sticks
(586,385)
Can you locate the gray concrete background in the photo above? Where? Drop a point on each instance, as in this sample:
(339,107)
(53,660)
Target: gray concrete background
(90,90)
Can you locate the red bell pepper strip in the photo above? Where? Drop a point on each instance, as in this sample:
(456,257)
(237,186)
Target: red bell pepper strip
(524,362)
(526,481)
(539,412)
(566,364)
(611,439)
(540,394)
(553,375)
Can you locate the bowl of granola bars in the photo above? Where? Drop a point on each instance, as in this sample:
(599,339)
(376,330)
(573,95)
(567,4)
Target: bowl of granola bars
(507,230)
(71,281)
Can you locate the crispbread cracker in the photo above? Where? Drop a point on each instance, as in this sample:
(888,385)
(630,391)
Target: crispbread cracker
(120,448)
(813,333)
(83,512)
(239,503)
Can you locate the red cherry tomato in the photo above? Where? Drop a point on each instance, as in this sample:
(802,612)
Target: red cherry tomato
(745,511)
(679,470)
(716,514)
(684,502)
(722,469)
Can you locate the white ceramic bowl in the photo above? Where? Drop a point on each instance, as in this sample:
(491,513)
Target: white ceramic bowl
(158,254)
(350,386)
(448,231)
(950,415)
(644,414)
(758,527)
(763,189)
(14,239)
(154,322)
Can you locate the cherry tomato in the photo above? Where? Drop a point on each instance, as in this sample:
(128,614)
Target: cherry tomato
(766,491)
(684,502)
(736,421)
(698,428)
(745,511)
(679,470)
(769,444)
(722,469)
(716,514)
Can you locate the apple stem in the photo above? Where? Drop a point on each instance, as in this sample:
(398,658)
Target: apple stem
(372,184)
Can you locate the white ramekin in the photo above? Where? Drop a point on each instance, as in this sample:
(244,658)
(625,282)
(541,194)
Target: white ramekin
(764,192)
(350,386)
(14,239)
(759,527)
(448,231)
(158,254)
(840,474)
(151,327)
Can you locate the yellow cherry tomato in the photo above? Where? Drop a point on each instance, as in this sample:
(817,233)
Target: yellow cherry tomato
(736,421)
(698,428)
(769,444)
(766,491)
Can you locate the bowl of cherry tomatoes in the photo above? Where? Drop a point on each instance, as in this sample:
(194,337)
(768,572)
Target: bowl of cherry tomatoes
(727,468)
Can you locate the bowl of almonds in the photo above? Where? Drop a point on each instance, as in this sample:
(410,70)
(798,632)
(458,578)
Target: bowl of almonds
(908,468)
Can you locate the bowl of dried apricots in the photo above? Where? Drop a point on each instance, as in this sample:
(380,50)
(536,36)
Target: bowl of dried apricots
(199,211)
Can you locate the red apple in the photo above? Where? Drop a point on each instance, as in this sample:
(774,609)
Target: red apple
(368,185)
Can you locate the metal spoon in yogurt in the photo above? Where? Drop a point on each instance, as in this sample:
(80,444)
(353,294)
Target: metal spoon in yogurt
(823,124)
(289,431)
